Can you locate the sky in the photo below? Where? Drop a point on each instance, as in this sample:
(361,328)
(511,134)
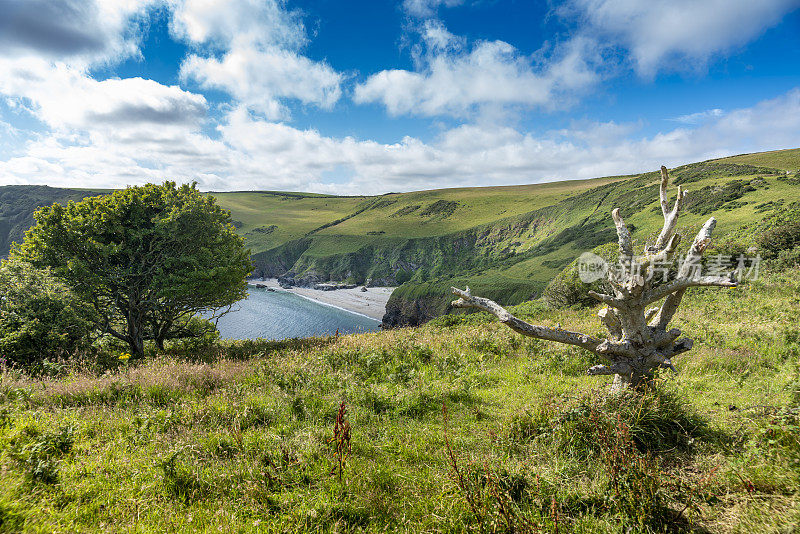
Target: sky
(376,96)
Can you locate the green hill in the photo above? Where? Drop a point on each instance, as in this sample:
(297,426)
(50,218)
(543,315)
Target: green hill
(506,242)
(17,204)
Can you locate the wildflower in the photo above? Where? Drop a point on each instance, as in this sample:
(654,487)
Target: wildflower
(124,357)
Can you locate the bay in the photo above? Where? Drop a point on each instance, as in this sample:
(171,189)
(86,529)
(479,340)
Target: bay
(280,315)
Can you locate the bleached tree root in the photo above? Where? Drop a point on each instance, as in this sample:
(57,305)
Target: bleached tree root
(638,342)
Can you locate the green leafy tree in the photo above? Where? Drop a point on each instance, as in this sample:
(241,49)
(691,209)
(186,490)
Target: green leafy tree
(39,316)
(147,258)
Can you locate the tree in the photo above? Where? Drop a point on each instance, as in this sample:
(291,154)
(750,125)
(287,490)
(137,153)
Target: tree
(638,341)
(39,316)
(146,258)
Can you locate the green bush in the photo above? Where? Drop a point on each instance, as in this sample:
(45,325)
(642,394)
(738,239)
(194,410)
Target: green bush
(40,318)
(781,238)
(566,288)
(787,258)
(402,276)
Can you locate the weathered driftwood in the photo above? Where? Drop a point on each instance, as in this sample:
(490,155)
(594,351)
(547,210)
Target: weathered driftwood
(639,341)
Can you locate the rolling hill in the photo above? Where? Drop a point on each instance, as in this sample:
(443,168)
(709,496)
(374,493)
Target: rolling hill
(18,202)
(506,242)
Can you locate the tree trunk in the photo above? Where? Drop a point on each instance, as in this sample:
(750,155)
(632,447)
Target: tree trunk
(135,323)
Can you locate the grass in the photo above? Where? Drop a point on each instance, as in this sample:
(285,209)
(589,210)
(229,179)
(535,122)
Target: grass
(240,436)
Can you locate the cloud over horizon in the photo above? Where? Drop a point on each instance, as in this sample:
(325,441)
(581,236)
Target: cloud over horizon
(240,106)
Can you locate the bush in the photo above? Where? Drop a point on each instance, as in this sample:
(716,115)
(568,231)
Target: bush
(567,289)
(39,453)
(783,237)
(787,258)
(656,420)
(40,318)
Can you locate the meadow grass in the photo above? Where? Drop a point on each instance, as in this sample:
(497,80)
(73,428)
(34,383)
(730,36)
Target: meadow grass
(238,437)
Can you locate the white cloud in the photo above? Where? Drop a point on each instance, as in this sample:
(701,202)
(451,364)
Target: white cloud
(253,153)
(261,64)
(65,97)
(454,80)
(677,34)
(699,117)
(427,8)
(261,78)
(75,31)
(109,133)
(232,23)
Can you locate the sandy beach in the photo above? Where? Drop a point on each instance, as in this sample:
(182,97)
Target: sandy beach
(371,302)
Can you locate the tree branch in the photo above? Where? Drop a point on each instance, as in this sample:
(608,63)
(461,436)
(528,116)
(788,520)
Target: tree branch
(616,368)
(466,300)
(605,299)
(673,300)
(623,234)
(670,217)
(662,291)
(609,318)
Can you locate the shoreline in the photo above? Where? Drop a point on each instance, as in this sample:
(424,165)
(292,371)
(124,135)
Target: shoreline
(370,303)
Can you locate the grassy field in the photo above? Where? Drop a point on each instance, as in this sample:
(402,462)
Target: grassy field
(786,160)
(240,437)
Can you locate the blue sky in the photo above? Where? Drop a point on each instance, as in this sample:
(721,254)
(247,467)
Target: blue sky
(376,96)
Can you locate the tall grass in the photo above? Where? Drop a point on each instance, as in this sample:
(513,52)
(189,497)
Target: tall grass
(238,437)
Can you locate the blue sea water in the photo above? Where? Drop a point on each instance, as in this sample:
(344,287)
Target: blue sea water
(281,315)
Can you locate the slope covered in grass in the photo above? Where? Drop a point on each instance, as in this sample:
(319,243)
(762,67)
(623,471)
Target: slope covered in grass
(18,202)
(237,437)
(506,241)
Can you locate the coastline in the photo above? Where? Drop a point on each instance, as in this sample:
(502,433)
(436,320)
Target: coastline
(370,303)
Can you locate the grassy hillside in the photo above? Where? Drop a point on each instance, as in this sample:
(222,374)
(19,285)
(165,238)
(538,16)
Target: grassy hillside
(17,204)
(544,241)
(238,437)
(507,242)
(269,219)
(787,160)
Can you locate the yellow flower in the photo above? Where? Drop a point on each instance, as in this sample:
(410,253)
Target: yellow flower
(125,357)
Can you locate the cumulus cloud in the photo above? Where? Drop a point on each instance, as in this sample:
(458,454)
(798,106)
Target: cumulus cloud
(699,117)
(260,65)
(82,31)
(427,8)
(253,153)
(676,34)
(65,97)
(113,132)
(454,79)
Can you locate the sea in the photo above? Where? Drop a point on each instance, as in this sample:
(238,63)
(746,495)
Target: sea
(280,315)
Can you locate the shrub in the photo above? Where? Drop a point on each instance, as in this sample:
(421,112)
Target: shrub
(783,237)
(656,420)
(567,289)
(40,318)
(39,454)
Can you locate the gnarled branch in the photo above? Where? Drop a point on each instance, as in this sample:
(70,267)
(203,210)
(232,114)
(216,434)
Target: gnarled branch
(518,325)
(623,234)
(638,342)
(670,217)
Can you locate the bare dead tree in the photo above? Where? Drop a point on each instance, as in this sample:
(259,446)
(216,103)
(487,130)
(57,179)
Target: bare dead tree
(639,341)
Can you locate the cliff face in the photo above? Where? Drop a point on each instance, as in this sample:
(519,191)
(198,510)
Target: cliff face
(402,311)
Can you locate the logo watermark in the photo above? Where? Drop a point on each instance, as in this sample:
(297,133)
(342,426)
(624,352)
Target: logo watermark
(592,267)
